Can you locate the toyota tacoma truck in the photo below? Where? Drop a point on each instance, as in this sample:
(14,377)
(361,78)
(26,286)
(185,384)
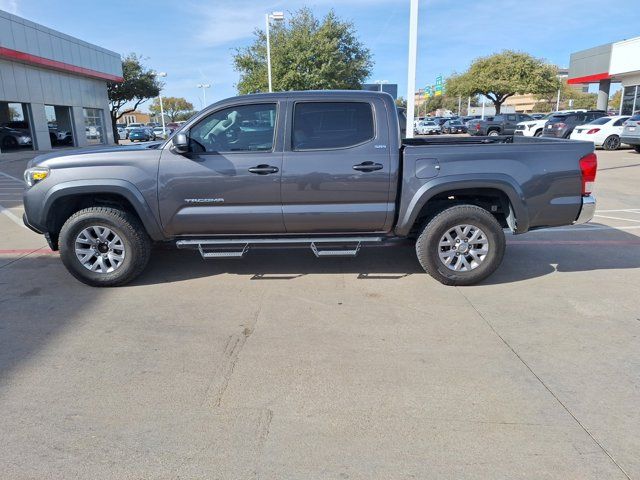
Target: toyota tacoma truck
(327,170)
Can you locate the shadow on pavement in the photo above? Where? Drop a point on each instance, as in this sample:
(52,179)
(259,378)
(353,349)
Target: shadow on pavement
(38,300)
(527,256)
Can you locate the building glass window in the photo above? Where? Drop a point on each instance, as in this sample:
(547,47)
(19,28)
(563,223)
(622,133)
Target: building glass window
(93,125)
(60,123)
(630,102)
(15,127)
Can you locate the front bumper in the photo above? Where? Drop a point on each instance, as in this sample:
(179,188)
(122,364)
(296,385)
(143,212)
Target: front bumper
(587,211)
(25,220)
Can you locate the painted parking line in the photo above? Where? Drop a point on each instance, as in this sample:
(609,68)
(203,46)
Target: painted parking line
(12,216)
(618,218)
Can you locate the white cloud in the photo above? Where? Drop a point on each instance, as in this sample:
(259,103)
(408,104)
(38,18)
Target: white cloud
(222,24)
(10,6)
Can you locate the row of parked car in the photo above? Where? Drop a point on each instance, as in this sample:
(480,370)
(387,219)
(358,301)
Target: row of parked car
(606,131)
(147,132)
(438,125)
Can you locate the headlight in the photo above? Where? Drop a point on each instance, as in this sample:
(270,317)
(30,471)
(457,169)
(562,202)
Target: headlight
(35,175)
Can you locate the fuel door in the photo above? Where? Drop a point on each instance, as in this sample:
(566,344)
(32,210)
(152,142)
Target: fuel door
(427,167)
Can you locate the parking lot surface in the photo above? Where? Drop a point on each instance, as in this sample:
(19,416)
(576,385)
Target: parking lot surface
(286,366)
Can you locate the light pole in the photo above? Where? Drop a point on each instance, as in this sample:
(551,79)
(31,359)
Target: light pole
(278,16)
(411,73)
(204,93)
(161,74)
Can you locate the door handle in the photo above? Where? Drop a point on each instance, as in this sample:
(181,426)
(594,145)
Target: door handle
(264,169)
(368,167)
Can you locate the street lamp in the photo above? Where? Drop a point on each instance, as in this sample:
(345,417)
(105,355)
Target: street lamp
(204,92)
(278,16)
(161,74)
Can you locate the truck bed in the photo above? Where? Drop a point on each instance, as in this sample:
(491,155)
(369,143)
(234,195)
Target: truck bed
(541,177)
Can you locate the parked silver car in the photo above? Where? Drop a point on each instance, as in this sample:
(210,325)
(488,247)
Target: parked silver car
(631,132)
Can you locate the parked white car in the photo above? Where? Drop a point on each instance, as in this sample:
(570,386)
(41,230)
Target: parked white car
(131,126)
(534,128)
(603,132)
(428,127)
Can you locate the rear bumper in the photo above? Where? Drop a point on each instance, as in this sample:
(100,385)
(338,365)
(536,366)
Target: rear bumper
(587,211)
(630,140)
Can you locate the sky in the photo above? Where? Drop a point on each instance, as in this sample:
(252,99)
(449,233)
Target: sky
(194,40)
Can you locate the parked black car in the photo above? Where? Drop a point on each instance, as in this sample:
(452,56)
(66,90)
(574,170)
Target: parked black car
(562,124)
(502,124)
(454,126)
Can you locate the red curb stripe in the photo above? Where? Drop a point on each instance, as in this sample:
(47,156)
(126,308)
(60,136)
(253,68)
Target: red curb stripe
(574,242)
(45,251)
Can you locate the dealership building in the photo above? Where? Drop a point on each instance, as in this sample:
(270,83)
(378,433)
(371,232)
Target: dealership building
(617,62)
(53,88)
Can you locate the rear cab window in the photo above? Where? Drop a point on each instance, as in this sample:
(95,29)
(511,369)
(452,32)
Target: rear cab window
(331,125)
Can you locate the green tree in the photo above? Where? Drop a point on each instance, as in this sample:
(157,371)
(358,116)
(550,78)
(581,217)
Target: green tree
(503,75)
(306,54)
(139,85)
(614,101)
(182,116)
(173,107)
(401,102)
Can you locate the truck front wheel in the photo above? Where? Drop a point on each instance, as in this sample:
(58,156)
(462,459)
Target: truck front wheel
(462,245)
(104,247)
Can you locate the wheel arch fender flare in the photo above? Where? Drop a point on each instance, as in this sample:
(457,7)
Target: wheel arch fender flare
(413,203)
(111,186)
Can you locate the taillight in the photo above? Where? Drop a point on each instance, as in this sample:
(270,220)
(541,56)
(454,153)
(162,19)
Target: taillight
(593,130)
(477,126)
(588,168)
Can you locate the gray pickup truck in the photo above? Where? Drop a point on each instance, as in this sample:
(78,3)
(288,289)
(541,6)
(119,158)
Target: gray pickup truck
(328,170)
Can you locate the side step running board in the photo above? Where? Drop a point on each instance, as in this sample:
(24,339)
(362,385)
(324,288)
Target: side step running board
(238,247)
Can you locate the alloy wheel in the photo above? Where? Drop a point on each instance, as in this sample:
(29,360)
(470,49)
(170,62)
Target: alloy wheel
(463,248)
(99,249)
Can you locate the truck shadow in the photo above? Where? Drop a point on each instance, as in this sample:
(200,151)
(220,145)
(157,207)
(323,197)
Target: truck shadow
(528,256)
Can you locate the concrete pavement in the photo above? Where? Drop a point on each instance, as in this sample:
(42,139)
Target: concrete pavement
(286,366)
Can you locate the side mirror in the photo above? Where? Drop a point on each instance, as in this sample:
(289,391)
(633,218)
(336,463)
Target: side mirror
(180,143)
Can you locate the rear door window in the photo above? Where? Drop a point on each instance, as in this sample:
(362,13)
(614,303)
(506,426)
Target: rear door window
(330,125)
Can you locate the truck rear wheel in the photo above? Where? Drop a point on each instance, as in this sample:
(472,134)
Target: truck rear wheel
(104,247)
(493,133)
(462,245)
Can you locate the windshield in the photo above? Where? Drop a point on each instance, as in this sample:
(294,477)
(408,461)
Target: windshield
(428,124)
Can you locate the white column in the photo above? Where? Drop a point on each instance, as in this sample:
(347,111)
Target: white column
(411,73)
(268,51)
(162,114)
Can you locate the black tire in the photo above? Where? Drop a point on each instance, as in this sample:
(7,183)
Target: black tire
(428,244)
(493,133)
(612,142)
(538,133)
(9,142)
(637,148)
(136,243)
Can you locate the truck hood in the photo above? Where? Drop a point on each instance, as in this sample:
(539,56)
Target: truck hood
(93,155)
